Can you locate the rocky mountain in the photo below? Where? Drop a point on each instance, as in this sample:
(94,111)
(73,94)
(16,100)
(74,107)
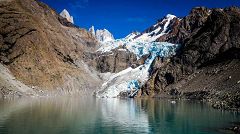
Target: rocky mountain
(92,30)
(39,51)
(102,35)
(116,55)
(157,32)
(207,65)
(65,14)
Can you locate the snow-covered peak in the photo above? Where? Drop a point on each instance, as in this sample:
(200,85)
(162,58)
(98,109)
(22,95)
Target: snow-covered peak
(104,35)
(65,14)
(161,28)
(170,16)
(150,35)
(132,35)
(92,30)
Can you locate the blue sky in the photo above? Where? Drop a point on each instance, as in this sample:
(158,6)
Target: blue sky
(121,17)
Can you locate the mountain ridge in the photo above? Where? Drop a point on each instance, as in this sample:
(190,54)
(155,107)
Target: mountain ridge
(195,57)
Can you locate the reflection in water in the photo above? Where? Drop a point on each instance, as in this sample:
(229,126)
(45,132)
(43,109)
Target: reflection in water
(106,116)
(125,114)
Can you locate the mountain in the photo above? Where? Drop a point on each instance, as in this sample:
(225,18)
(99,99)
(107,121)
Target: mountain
(195,57)
(158,31)
(102,35)
(145,48)
(65,14)
(204,66)
(207,64)
(39,52)
(92,30)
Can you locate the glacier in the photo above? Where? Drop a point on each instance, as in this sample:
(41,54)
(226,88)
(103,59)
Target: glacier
(123,81)
(131,79)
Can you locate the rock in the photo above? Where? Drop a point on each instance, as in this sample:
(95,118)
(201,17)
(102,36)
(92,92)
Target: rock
(104,35)
(92,30)
(173,102)
(197,95)
(174,92)
(235,127)
(65,14)
(188,25)
(114,61)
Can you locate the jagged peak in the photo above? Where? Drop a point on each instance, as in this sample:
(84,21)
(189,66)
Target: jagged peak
(92,30)
(102,35)
(170,16)
(65,14)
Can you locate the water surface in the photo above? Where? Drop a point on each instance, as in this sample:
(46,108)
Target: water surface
(107,116)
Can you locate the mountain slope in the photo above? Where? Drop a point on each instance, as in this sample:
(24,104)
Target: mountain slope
(40,51)
(207,65)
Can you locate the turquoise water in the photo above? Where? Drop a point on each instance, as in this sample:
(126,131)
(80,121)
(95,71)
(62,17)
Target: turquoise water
(110,116)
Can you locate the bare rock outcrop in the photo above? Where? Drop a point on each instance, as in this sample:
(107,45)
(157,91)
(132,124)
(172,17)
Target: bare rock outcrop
(114,61)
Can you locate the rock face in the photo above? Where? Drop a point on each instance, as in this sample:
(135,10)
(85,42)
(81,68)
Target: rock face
(209,53)
(65,14)
(114,61)
(188,25)
(42,52)
(104,35)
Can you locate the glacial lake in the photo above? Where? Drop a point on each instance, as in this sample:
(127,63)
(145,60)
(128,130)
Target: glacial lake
(111,116)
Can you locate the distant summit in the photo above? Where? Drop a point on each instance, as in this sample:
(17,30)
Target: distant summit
(132,35)
(65,14)
(102,35)
(92,30)
(157,31)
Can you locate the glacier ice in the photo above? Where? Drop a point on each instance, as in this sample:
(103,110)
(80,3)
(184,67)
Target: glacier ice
(119,82)
(140,44)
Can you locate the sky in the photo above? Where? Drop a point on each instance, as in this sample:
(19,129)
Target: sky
(122,17)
